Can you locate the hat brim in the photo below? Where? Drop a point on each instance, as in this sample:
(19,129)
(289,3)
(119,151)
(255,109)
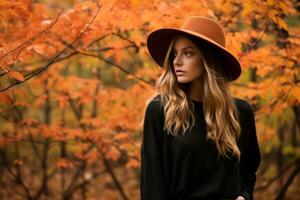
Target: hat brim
(158,42)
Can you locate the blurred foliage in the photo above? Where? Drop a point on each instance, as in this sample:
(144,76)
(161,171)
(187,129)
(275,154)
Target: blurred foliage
(75,77)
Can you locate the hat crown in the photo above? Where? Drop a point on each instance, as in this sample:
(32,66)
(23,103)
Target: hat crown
(205,26)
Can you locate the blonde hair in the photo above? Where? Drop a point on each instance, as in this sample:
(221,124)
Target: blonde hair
(219,109)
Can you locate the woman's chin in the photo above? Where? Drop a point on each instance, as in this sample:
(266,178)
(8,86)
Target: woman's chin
(182,80)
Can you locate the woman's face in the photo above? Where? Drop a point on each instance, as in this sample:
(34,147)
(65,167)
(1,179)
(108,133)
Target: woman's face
(187,60)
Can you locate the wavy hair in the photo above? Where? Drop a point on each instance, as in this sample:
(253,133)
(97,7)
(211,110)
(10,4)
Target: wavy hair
(219,109)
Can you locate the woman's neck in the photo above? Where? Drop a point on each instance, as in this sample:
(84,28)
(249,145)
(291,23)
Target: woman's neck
(195,91)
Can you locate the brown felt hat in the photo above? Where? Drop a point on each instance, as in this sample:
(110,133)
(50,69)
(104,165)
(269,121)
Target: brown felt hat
(204,28)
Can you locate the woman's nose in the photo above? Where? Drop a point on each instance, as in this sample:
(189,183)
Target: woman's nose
(177,60)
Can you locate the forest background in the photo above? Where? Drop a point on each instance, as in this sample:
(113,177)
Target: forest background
(75,77)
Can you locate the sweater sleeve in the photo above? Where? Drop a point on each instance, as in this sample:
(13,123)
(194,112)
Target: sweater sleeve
(152,186)
(250,159)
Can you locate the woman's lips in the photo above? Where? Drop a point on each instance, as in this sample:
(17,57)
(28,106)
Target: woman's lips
(180,73)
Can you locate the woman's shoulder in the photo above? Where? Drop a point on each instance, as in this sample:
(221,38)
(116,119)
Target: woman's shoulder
(243,105)
(154,104)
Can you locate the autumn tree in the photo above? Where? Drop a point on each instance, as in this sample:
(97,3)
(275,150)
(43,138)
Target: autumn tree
(75,77)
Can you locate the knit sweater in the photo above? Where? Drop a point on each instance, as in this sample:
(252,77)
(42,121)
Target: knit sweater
(189,167)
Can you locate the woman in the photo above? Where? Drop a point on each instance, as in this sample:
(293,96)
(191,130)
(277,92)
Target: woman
(198,141)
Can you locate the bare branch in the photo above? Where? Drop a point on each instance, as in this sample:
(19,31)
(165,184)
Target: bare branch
(289,181)
(16,178)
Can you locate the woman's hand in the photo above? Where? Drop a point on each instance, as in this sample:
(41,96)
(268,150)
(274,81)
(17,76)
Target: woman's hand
(240,198)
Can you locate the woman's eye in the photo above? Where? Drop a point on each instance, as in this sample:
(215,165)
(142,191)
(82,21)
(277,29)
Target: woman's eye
(188,53)
(173,55)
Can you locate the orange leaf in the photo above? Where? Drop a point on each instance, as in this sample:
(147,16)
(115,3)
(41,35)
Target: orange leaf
(16,75)
(5,98)
(133,163)
(92,156)
(18,162)
(64,163)
(113,154)
(121,136)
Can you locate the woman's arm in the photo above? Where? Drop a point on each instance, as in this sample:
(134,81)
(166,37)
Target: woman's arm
(250,158)
(152,186)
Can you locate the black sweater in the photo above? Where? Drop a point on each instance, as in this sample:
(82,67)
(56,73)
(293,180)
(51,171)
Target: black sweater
(188,168)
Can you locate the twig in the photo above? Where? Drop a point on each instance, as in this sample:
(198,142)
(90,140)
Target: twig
(31,39)
(289,181)
(272,180)
(107,61)
(40,70)
(16,178)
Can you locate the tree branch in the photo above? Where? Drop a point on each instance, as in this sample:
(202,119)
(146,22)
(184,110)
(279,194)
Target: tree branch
(52,60)
(22,46)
